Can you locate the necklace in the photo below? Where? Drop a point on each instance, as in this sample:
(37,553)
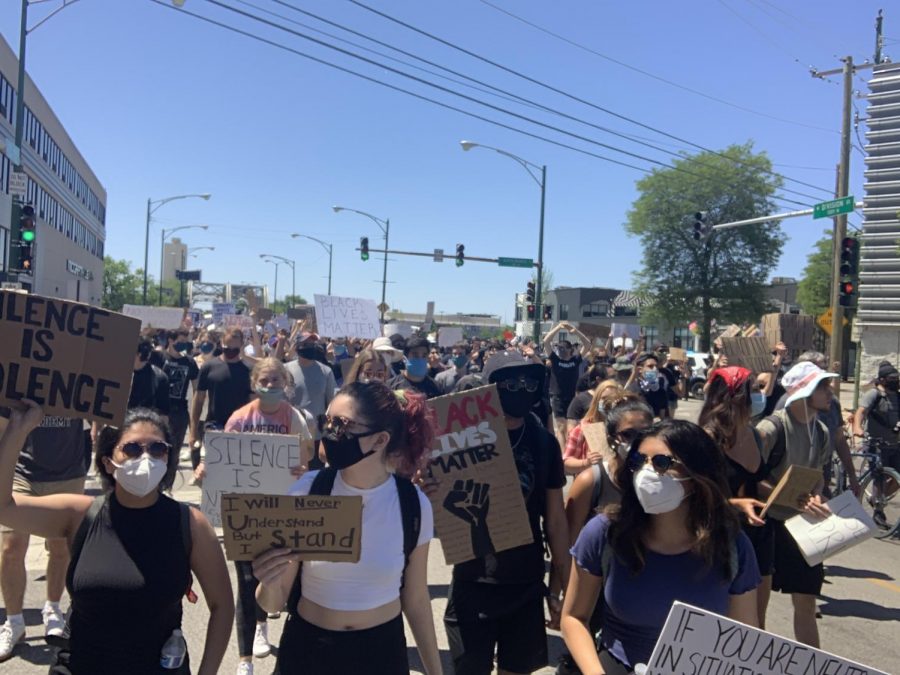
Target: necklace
(519,440)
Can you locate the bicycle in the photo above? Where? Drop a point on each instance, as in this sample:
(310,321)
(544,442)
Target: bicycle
(879,487)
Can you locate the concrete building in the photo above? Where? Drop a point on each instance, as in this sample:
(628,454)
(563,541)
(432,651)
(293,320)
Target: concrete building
(782,291)
(68,199)
(174,258)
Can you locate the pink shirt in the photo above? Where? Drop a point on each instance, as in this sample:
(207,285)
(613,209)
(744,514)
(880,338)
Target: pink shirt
(250,419)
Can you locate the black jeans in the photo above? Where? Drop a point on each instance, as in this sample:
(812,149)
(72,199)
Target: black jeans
(247,612)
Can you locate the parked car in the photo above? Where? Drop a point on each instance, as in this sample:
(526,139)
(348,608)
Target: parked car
(699,364)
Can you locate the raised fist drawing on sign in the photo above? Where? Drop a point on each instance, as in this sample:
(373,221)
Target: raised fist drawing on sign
(470,501)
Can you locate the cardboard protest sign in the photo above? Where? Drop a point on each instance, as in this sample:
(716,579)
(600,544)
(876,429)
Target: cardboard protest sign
(677,354)
(219,310)
(819,539)
(168,318)
(479,507)
(73,359)
(449,336)
(315,527)
(596,332)
(696,641)
(193,317)
(796,331)
(796,483)
(347,317)
(403,329)
(752,353)
(264,314)
(630,330)
(732,331)
(246,463)
(595,437)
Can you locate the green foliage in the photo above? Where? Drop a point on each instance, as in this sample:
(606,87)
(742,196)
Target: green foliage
(814,289)
(685,280)
(282,305)
(121,286)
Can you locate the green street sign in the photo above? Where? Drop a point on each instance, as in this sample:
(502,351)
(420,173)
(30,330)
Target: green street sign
(834,207)
(515,262)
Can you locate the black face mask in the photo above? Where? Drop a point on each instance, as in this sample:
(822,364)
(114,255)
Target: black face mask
(231,352)
(307,352)
(343,452)
(516,403)
(892,384)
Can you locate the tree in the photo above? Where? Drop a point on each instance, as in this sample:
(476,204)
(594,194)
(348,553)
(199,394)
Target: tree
(282,305)
(121,286)
(722,277)
(814,289)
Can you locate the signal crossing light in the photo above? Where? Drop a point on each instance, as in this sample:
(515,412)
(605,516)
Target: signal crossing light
(529,293)
(548,313)
(364,248)
(531,312)
(460,255)
(702,228)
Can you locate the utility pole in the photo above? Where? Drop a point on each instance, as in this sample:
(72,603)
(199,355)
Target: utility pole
(879,37)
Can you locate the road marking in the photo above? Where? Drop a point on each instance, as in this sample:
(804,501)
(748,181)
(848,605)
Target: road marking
(886,584)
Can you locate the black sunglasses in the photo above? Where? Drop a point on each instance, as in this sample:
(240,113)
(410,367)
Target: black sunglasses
(156,449)
(661,463)
(339,428)
(628,435)
(528,384)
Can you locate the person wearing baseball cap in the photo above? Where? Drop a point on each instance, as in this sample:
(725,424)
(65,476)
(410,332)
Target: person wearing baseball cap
(415,376)
(314,385)
(796,436)
(495,603)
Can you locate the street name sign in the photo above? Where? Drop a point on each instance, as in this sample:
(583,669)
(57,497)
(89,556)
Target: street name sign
(834,207)
(515,262)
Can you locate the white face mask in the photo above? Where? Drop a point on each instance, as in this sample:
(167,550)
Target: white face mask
(140,476)
(658,493)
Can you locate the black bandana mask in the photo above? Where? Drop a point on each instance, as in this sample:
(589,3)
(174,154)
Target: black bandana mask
(343,451)
(516,404)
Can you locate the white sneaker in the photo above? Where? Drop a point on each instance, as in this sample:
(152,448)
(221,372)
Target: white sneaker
(261,646)
(9,638)
(245,668)
(54,621)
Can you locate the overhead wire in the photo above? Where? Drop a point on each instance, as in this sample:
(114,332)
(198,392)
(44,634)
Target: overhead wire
(646,73)
(556,89)
(471,99)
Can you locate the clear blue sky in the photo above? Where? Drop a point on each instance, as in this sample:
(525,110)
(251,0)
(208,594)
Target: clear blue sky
(162,104)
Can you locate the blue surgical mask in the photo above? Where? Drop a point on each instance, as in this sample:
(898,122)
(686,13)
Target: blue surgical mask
(340,350)
(460,361)
(207,347)
(757,403)
(417,367)
(651,376)
(270,395)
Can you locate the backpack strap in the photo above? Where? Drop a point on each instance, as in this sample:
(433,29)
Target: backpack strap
(411,517)
(780,448)
(597,490)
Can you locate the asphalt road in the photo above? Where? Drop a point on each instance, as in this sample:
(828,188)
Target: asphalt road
(860,607)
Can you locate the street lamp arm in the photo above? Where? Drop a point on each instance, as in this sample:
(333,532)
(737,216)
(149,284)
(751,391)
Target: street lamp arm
(155,204)
(324,245)
(378,221)
(66,3)
(286,261)
(532,168)
(169,233)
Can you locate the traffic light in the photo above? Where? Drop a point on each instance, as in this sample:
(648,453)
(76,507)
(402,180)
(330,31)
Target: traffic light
(531,312)
(702,227)
(849,272)
(364,248)
(529,293)
(460,255)
(24,239)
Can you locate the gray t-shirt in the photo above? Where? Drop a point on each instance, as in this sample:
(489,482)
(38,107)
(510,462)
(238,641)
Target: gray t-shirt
(882,414)
(314,387)
(54,451)
(805,445)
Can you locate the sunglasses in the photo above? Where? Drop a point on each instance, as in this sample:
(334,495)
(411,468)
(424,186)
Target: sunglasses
(528,384)
(628,435)
(661,463)
(339,428)
(156,449)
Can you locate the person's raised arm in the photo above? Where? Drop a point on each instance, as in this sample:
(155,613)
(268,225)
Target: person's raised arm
(51,517)
(586,342)
(548,338)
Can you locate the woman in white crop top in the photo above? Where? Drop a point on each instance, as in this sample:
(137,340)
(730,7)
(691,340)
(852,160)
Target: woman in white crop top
(348,618)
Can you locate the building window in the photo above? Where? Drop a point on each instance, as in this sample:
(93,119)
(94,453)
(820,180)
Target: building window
(652,335)
(594,309)
(683,339)
(518,312)
(563,312)
(4,238)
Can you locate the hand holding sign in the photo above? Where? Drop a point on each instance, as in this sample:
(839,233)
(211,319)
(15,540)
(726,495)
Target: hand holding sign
(271,567)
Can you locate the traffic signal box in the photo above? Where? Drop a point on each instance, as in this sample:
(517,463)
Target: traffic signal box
(24,235)
(848,292)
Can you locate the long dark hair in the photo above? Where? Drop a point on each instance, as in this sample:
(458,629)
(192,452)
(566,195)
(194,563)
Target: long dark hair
(711,519)
(109,438)
(404,415)
(726,412)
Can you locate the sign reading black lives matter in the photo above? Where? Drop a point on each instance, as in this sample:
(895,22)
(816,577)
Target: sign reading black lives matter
(694,641)
(479,507)
(315,527)
(246,464)
(73,359)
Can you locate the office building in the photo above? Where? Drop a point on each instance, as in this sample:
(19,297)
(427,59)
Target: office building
(68,199)
(174,258)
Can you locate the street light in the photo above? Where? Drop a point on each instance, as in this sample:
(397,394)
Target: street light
(192,252)
(152,206)
(385,226)
(164,234)
(328,247)
(275,291)
(290,263)
(532,170)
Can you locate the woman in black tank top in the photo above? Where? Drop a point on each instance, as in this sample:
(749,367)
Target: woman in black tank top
(732,400)
(133,550)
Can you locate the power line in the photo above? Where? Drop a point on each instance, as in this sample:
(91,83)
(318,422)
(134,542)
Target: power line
(562,92)
(659,78)
(471,99)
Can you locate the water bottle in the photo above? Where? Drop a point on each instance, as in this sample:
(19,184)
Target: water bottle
(173,652)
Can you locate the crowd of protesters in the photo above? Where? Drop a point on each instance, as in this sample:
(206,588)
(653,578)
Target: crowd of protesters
(659,509)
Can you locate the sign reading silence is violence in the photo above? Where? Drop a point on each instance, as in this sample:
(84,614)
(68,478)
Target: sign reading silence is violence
(478,507)
(73,359)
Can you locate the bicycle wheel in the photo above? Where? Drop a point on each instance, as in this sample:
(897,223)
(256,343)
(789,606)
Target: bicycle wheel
(880,497)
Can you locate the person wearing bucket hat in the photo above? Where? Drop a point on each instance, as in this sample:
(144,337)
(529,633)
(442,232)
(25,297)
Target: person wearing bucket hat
(623,368)
(495,602)
(796,436)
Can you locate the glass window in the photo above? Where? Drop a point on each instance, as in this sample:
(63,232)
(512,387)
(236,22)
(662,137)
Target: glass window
(594,309)
(563,312)
(518,312)
(652,333)
(683,338)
